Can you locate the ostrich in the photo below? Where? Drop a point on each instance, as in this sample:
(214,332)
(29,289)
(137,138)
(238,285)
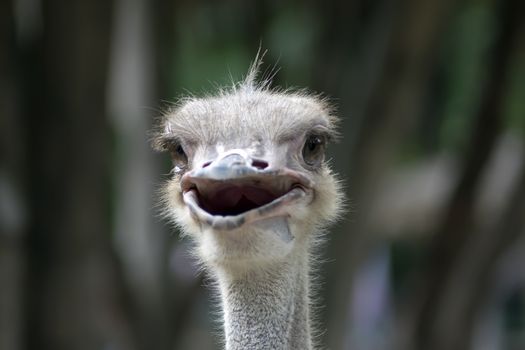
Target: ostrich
(251,187)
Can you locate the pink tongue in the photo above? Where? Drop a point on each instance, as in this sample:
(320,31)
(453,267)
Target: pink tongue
(229,197)
(257,195)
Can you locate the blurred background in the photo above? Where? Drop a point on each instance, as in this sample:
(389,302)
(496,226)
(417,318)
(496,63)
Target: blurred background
(431,252)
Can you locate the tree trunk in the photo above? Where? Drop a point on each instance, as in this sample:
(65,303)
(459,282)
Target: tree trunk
(12,201)
(393,104)
(445,315)
(74,291)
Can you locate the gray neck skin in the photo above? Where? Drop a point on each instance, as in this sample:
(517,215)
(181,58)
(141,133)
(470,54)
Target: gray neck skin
(267,308)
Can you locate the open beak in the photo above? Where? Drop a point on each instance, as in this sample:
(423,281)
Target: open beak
(235,190)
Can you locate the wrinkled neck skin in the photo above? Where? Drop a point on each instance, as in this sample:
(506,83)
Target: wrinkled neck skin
(267,307)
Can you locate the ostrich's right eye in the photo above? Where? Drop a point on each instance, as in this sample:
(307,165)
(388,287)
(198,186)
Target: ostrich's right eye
(313,150)
(179,158)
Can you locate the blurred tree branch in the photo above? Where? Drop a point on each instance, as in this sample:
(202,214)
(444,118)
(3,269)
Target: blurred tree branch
(74,287)
(391,111)
(12,201)
(441,322)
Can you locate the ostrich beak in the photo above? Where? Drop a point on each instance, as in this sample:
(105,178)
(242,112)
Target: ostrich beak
(231,165)
(236,190)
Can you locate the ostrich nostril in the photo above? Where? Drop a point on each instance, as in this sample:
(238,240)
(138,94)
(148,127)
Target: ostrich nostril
(206,164)
(259,164)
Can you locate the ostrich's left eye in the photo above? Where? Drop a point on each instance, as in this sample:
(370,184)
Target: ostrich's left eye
(179,157)
(313,150)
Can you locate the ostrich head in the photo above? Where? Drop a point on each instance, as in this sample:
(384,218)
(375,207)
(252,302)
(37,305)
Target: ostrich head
(250,182)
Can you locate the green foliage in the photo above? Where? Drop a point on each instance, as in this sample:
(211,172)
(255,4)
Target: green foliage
(208,65)
(468,41)
(209,46)
(515,101)
(291,35)
(406,258)
(514,310)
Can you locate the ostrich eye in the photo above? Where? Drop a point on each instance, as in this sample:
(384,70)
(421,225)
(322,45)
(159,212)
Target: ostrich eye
(179,157)
(313,150)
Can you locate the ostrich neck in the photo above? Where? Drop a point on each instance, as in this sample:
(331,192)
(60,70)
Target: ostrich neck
(267,308)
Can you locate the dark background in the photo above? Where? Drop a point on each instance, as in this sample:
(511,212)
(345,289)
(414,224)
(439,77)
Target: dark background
(431,252)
